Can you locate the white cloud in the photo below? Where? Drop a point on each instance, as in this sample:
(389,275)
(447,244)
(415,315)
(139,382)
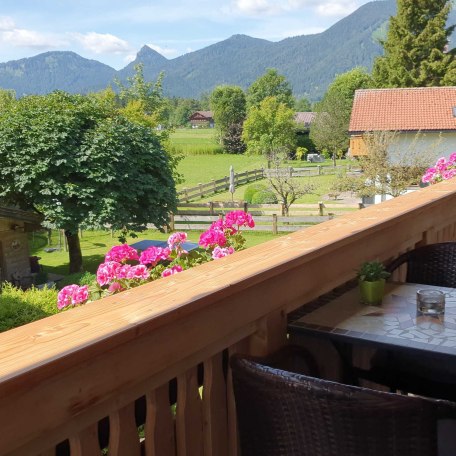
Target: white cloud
(102,43)
(6,23)
(32,39)
(163,50)
(254,7)
(339,9)
(271,7)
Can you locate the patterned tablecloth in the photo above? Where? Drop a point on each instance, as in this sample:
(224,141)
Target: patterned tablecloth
(394,323)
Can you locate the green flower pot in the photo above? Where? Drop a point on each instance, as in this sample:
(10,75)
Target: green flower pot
(372,292)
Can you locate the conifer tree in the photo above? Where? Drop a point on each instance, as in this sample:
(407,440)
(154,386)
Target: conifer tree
(416,48)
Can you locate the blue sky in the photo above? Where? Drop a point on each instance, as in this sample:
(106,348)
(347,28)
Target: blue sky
(112,31)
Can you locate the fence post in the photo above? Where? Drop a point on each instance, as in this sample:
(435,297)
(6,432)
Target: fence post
(319,169)
(186,195)
(246,206)
(201,190)
(274,224)
(214,185)
(227,183)
(361,206)
(290,170)
(171,221)
(321,208)
(211,207)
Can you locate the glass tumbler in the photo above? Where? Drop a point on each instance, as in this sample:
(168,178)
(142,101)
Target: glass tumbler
(430,302)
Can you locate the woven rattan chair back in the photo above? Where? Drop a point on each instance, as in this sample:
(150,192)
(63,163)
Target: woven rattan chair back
(433,264)
(287,414)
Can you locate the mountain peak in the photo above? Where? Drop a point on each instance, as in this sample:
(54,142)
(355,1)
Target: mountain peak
(147,53)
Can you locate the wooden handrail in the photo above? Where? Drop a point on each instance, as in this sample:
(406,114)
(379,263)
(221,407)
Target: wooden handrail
(60,375)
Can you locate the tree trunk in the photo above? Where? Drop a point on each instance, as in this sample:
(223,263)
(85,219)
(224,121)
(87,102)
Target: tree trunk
(334,159)
(74,251)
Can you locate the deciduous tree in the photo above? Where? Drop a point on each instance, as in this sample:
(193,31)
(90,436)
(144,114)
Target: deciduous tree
(303,105)
(271,84)
(228,105)
(270,128)
(287,187)
(329,129)
(142,101)
(83,164)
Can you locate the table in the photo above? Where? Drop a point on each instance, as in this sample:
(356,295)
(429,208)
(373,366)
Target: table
(143,245)
(392,326)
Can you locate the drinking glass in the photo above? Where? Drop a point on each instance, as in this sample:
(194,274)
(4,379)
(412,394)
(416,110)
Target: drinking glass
(430,302)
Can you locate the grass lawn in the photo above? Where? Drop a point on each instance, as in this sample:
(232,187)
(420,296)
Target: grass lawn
(95,244)
(322,185)
(202,169)
(195,140)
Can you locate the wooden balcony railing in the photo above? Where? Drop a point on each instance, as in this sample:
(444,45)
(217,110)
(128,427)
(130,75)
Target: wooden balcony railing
(60,376)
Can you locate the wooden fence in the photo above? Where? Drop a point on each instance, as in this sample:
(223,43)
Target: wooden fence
(219,185)
(223,184)
(268,217)
(222,207)
(303,172)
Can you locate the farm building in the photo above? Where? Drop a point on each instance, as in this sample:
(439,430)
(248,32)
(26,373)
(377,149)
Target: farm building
(202,119)
(14,252)
(304,119)
(427,111)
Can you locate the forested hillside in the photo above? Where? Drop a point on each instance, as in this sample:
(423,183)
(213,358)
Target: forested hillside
(309,62)
(55,71)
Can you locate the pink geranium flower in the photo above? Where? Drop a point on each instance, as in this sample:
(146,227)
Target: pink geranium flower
(442,170)
(176,240)
(170,271)
(107,272)
(239,218)
(122,253)
(138,272)
(153,255)
(115,287)
(72,295)
(220,252)
(212,237)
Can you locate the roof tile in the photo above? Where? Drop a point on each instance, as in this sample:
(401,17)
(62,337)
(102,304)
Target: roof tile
(405,109)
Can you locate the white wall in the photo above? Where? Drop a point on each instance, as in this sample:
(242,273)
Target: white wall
(440,144)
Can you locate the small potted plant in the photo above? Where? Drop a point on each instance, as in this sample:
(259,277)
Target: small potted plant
(371,276)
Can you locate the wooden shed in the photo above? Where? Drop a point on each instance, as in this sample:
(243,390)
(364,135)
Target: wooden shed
(15,224)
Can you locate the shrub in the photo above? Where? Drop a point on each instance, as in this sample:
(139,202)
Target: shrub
(264,197)
(251,190)
(18,307)
(301,153)
(81,278)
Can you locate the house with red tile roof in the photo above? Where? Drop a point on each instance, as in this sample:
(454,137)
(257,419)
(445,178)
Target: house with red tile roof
(429,111)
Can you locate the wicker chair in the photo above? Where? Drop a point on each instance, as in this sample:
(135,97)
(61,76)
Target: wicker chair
(433,264)
(287,414)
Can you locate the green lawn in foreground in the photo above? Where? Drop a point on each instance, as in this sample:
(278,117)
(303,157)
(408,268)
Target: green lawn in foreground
(95,244)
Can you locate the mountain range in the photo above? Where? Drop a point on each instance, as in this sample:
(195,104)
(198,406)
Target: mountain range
(309,62)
